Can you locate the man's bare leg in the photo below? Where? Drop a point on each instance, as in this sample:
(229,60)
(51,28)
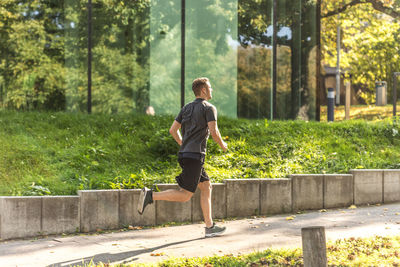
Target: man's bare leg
(205,202)
(181,195)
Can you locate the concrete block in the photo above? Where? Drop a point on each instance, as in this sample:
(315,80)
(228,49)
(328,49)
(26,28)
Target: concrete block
(99,209)
(391,186)
(20,217)
(218,203)
(168,211)
(275,196)
(368,186)
(242,197)
(60,214)
(307,191)
(338,190)
(128,215)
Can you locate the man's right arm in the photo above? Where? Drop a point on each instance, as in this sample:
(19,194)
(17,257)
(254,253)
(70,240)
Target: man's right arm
(174,131)
(212,125)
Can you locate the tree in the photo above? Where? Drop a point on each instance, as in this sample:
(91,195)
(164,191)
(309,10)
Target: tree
(370,41)
(388,7)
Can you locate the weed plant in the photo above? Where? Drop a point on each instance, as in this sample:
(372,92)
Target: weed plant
(60,153)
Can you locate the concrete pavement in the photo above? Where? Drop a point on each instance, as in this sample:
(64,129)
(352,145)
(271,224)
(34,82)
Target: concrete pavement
(242,236)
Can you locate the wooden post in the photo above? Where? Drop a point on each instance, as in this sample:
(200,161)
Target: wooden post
(314,246)
(347,103)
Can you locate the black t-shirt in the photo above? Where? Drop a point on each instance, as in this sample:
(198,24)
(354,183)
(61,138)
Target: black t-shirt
(193,118)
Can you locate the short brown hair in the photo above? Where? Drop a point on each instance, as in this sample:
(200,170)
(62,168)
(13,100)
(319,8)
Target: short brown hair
(198,84)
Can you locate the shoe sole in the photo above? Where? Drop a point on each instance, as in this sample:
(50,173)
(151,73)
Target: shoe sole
(215,234)
(141,201)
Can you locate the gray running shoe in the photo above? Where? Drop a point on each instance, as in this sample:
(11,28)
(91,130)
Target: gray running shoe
(145,198)
(215,230)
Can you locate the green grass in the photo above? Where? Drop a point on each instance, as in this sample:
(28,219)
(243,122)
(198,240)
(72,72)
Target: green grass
(60,153)
(376,251)
(365,112)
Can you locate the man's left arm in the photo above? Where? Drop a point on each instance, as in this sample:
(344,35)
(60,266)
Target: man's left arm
(174,131)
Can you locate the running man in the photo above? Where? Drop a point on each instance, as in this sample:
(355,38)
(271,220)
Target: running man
(197,119)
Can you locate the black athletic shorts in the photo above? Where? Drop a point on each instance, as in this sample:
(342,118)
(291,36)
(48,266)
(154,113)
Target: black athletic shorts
(192,174)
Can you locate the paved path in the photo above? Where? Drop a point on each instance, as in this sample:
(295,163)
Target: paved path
(246,235)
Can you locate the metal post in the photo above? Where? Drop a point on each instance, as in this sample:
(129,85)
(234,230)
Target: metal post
(274,57)
(318,72)
(347,102)
(395,92)
(331,104)
(183,29)
(314,246)
(338,64)
(89,71)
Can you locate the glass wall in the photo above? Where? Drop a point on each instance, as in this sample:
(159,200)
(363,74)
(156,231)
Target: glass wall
(211,48)
(260,56)
(255,59)
(75,47)
(165,56)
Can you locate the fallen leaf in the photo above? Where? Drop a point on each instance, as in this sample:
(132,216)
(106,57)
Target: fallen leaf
(267,225)
(323,210)
(254,226)
(289,218)
(135,227)
(369,214)
(397,213)
(342,211)
(157,254)
(385,209)
(387,227)
(352,207)
(114,244)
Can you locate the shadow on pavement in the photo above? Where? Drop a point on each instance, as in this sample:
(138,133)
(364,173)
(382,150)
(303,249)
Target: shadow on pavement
(118,257)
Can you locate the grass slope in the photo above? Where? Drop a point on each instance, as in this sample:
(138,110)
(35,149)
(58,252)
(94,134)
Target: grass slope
(60,153)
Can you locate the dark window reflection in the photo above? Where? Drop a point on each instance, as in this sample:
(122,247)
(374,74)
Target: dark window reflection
(295,66)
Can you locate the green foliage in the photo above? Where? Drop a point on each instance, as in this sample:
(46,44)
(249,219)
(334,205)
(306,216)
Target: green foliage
(59,153)
(369,43)
(43,55)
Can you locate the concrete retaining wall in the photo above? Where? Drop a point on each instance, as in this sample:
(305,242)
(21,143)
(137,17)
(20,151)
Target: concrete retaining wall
(60,214)
(307,191)
(338,190)
(391,186)
(99,209)
(111,209)
(20,216)
(275,196)
(242,197)
(368,186)
(32,216)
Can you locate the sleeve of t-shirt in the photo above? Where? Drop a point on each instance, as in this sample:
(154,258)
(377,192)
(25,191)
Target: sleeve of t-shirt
(179,117)
(211,114)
